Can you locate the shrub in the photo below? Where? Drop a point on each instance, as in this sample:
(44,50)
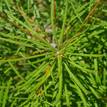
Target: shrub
(53,53)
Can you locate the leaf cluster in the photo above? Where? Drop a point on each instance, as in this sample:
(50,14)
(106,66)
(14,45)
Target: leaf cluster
(53,53)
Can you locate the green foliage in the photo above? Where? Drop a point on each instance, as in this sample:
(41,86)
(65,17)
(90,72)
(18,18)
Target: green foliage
(53,53)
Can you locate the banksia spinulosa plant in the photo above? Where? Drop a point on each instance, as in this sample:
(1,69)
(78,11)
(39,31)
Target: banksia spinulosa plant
(53,53)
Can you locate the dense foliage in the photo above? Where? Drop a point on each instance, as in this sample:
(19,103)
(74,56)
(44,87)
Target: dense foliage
(53,53)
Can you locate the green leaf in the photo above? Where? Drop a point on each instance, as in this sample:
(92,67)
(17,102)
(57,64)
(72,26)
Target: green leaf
(5,97)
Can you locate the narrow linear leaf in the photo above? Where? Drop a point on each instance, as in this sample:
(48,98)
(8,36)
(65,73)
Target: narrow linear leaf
(60,76)
(5,98)
(81,68)
(96,94)
(15,42)
(67,96)
(75,79)
(64,22)
(82,96)
(16,72)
